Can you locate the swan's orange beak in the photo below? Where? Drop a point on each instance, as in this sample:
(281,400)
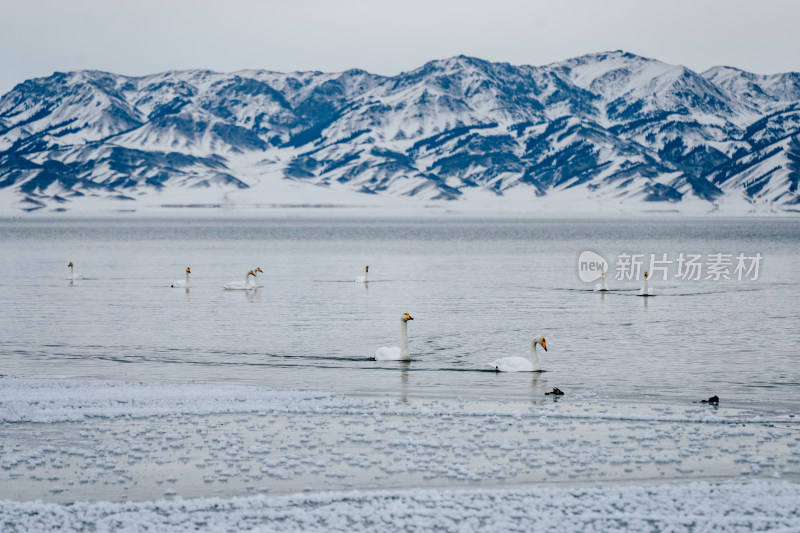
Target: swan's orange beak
(366,269)
(544,345)
(189,270)
(408,317)
(70,264)
(258,269)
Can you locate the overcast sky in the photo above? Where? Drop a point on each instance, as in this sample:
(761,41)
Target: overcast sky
(140,37)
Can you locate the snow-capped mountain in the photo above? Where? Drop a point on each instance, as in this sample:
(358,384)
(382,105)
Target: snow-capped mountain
(607,129)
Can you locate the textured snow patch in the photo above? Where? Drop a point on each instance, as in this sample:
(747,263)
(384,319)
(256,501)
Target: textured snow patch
(689,507)
(31,400)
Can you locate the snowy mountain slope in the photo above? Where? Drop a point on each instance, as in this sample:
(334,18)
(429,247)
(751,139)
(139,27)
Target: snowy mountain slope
(770,172)
(636,88)
(610,127)
(759,91)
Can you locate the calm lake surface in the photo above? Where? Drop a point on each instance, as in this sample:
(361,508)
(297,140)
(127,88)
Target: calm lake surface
(478,289)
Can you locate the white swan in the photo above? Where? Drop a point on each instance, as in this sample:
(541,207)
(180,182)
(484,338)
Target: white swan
(256,270)
(602,285)
(241,285)
(72,275)
(364,278)
(182,283)
(521,364)
(394,353)
(645,290)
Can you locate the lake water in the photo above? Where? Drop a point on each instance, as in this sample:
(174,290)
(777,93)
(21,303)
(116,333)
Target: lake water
(478,289)
(119,388)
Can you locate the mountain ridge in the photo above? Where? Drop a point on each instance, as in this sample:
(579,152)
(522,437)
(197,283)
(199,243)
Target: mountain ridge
(610,127)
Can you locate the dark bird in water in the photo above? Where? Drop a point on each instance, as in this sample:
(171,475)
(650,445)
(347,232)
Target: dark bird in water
(556,392)
(714,400)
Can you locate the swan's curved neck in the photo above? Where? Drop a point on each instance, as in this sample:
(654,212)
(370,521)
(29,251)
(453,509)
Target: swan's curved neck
(404,339)
(645,285)
(534,355)
(71,272)
(366,276)
(603,282)
(187,278)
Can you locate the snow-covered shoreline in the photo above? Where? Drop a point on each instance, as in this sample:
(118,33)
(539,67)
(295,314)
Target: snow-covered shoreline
(311,203)
(78,452)
(697,506)
(396,211)
(278,197)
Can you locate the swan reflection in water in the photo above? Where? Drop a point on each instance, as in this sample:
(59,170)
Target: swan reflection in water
(404,365)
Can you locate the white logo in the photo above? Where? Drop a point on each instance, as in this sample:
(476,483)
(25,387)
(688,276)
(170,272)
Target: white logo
(591,266)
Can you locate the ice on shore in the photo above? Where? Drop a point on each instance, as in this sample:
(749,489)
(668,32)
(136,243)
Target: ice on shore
(698,506)
(231,457)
